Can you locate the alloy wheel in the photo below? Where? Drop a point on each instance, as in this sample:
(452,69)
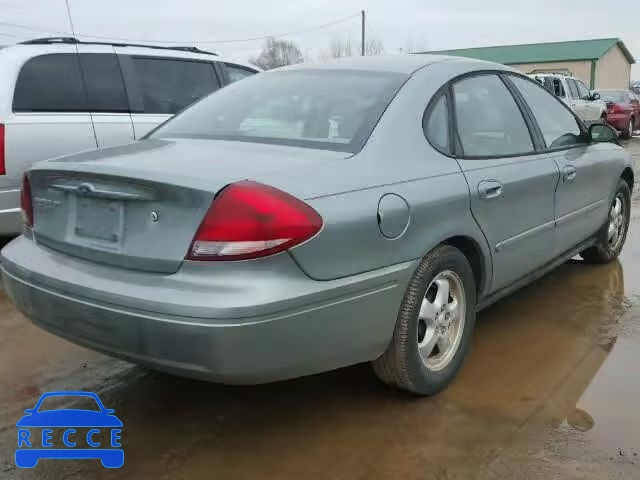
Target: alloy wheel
(441,320)
(615,231)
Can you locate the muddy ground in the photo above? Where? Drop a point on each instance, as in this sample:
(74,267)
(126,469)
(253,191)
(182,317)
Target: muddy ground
(551,390)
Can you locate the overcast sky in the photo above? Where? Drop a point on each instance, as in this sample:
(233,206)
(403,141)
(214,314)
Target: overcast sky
(399,24)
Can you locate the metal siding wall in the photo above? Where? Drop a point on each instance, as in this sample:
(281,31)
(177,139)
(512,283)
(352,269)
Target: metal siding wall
(613,70)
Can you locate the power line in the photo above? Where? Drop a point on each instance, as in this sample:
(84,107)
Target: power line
(237,40)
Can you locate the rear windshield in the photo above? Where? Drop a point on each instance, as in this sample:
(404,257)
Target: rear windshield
(324,109)
(611,96)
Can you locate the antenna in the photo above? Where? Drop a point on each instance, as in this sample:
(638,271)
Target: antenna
(73,30)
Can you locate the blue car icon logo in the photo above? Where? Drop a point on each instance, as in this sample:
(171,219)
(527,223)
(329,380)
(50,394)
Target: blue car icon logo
(81,432)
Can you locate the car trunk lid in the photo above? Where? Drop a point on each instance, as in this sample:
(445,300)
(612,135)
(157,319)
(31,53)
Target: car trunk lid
(139,206)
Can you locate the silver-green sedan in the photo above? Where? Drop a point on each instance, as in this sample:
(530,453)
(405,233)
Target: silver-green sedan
(319,216)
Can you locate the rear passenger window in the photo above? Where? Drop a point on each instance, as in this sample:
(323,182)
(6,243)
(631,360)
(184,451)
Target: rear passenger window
(559,127)
(103,80)
(435,124)
(489,122)
(573,88)
(50,83)
(169,85)
(236,72)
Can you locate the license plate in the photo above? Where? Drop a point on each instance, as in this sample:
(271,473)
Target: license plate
(99,219)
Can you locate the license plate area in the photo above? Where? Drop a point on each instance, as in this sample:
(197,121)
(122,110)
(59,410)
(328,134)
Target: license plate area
(99,221)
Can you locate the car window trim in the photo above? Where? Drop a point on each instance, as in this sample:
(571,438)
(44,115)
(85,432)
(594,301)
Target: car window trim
(458,150)
(581,125)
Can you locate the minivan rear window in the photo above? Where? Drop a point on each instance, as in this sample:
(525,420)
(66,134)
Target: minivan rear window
(50,83)
(323,109)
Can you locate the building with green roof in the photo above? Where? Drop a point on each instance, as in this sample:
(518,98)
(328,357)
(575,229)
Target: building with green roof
(600,63)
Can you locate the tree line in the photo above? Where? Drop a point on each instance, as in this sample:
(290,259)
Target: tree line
(279,53)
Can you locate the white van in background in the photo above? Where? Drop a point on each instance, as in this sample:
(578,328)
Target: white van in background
(61,95)
(586,104)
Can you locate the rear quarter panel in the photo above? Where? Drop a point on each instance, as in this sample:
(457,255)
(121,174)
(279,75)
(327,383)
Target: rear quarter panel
(397,159)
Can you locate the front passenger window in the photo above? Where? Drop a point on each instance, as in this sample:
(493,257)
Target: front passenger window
(559,127)
(489,122)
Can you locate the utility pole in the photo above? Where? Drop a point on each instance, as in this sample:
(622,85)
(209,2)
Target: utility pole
(363,20)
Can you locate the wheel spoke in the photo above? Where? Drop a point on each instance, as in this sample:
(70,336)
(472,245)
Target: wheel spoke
(442,295)
(617,207)
(443,343)
(431,338)
(427,310)
(452,307)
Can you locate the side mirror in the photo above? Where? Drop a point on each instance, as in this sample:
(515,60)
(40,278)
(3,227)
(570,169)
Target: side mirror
(29,410)
(595,96)
(109,411)
(601,133)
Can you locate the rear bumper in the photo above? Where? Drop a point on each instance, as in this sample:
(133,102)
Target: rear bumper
(619,121)
(223,323)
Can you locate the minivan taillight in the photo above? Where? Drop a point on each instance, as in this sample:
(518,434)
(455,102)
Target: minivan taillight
(3,168)
(25,201)
(251,220)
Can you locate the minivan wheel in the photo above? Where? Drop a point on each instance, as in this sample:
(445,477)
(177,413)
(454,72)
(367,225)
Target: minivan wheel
(614,233)
(433,331)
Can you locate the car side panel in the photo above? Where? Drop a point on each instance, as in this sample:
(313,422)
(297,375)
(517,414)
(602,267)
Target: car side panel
(396,160)
(582,203)
(352,241)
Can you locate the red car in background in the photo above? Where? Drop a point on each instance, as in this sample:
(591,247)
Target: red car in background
(623,110)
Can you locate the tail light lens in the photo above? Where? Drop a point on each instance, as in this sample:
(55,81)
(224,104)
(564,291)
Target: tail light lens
(614,108)
(26,202)
(251,220)
(3,168)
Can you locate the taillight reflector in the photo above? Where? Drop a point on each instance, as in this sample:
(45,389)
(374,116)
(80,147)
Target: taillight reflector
(250,220)
(26,201)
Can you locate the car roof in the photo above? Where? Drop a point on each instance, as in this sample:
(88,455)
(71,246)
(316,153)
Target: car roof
(37,47)
(399,63)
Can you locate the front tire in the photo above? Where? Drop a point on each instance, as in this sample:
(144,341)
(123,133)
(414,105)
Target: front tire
(433,331)
(614,233)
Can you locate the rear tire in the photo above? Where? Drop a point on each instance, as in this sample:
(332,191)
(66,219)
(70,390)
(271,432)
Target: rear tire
(432,335)
(628,133)
(613,234)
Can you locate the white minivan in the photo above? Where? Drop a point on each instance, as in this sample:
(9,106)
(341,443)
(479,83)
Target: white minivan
(62,95)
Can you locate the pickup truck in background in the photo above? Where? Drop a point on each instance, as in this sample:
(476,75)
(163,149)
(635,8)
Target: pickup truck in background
(572,91)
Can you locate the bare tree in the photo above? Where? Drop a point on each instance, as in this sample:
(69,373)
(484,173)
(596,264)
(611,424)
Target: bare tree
(413,45)
(277,53)
(340,48)
(345,48)
(373,46)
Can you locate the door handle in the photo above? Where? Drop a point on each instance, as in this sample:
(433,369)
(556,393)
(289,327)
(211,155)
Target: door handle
(489,189)
(569,174)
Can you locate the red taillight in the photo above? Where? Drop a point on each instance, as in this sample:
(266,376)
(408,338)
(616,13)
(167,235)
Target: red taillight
(251,220)
(25,201)
(3,168)
(615,108)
